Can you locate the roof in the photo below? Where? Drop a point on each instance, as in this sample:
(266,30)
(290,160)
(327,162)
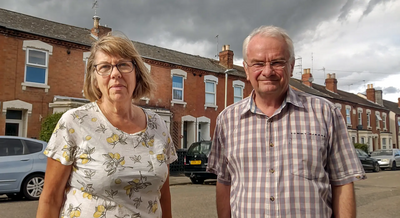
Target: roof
(392,106)
(42,27)
(320,90)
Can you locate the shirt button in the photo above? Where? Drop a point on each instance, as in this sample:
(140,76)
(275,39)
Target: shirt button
(272,171)
(271,144)
(272,198)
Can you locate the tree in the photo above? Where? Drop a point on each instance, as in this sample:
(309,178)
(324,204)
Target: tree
(363,147)
(48,126)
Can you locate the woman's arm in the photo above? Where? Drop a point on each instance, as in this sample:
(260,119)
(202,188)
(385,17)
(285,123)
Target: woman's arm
(55,181)
(166,199)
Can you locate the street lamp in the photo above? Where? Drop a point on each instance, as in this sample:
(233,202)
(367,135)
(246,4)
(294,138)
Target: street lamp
(226,83)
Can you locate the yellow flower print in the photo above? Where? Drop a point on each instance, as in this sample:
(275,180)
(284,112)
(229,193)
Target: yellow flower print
(87,195)
(151,152)
(113,162)
(94,119)
(164,134)
(153,206)
(86,155)
(169,140)
(72,211)
(88,137)
(99,211)
(160,157)
(66,156)
(114,138)
(71,130)
(46,152)
(118,181)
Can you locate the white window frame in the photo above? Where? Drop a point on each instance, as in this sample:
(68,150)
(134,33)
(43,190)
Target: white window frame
(359,115)
(178,72)
(238,84)
(378,118)
(338,105)
(369,119)
(214,80)
(348,115)
(177,88)
(384,123)
(36,45)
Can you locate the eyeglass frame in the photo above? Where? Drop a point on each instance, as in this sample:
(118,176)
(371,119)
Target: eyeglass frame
(265,64)
(115,65)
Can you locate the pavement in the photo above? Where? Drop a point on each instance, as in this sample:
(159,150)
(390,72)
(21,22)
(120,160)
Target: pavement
(179,179)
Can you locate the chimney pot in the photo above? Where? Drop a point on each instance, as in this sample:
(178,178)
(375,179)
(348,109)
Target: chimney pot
(371,93)
(331,82)
(306,77)
(226,57)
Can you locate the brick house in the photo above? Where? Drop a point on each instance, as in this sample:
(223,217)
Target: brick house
(367,120)
(43,72)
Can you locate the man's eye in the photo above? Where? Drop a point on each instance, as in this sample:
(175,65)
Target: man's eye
(259,64)
(277,63)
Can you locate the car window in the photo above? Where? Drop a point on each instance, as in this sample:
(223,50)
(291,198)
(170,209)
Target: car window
(362,153)
(33,147)
(200,148)
(10,147)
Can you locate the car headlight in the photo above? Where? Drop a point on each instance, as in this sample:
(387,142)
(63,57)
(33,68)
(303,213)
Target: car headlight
(385,160)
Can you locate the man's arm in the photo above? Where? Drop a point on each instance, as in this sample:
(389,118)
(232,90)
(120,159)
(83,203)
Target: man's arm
(344,201)
(223,200)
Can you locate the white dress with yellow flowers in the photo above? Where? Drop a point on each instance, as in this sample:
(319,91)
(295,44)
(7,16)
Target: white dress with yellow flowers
(115,174)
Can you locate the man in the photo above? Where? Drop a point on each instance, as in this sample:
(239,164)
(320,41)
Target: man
(281,152)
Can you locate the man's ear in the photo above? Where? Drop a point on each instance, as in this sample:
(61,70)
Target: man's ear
(292,66)
(246,70)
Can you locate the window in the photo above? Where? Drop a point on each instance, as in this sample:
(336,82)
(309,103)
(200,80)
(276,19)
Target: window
(348,115)
(177,88)
(33,147)
(383,143)
(360,111)
(384,121)
(368,118)
(36,64)
(378,118)
(10,147)
(210,91)
(362,140)
(238,87)
(178,77)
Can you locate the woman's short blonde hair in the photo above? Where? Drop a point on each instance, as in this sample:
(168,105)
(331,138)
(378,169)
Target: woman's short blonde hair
(119,46)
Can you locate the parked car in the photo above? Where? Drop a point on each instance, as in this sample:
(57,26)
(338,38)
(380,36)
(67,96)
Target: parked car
(367,161)
(23,165)
(387,158)
(196,161)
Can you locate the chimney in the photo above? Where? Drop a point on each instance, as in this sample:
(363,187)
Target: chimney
(226,57)
(370,92)
(378,97)
(306,77)
(331,82)
(98,31)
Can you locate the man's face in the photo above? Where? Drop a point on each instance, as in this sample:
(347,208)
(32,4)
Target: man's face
(266,81)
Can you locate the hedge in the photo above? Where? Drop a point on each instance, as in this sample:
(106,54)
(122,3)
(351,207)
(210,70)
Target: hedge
(48,125)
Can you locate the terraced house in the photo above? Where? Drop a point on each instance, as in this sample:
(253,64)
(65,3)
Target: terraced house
(43,69)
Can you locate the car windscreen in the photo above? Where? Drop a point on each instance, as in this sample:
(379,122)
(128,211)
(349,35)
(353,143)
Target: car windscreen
(382,153)
(200,148)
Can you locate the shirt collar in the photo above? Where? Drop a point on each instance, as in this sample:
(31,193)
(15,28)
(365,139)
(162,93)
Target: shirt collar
(291,97)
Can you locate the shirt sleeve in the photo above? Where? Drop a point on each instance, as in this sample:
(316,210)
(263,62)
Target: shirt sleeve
(217,160)
(62,144)
(344,166)
(170,151)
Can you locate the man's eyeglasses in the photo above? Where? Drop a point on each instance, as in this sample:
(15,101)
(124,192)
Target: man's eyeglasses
(274,65)
(106,69)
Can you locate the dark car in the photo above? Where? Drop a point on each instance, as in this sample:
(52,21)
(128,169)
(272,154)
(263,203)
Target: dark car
(367,161)
(23,165)
(196,161)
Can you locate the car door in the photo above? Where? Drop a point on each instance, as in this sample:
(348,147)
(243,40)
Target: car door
(397,157)
(368,161)
(14,164)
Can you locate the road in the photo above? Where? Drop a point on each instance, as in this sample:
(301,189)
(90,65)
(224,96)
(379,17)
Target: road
(378,196)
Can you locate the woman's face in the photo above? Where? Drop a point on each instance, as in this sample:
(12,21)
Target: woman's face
(116,87)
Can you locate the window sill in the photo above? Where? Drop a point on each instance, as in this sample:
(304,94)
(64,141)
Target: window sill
(384,130)
(145,99)
(35,85)
(377,128)
(178,102)
(369,127)
(211,106)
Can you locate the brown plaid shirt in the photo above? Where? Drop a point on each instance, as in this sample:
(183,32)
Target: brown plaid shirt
(283,165)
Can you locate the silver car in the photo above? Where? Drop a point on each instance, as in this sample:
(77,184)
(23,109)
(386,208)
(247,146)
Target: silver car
(23,165)
(387,158)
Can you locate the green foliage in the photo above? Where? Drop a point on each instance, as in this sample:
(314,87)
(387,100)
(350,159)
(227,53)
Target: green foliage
(48,125)
(363,147)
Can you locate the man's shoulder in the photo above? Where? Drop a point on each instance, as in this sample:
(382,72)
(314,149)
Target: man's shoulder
(236,108)
(313,100)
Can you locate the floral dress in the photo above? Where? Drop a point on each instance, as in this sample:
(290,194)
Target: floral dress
(114,174)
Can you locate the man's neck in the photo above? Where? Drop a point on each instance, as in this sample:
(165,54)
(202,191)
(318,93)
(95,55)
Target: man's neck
(270,103)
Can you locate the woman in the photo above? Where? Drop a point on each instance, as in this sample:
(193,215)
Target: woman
(110,158)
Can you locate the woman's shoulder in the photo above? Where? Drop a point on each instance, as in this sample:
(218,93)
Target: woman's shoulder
(80,113)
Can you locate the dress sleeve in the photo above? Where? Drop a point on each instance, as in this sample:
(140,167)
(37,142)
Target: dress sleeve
(170,151)
(217,160)
(62,145)
(343,163)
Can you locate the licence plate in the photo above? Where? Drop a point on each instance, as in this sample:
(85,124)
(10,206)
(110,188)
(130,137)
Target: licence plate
(195,162)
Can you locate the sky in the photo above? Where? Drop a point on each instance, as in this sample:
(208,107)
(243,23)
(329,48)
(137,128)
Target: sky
(358,40)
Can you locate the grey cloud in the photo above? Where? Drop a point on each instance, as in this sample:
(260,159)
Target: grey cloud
(390,90)
(345,10)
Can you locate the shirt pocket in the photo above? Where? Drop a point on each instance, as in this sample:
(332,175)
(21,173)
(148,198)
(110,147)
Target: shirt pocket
(307,155)
(159,166)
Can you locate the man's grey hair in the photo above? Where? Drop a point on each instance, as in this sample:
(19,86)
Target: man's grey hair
(269,31)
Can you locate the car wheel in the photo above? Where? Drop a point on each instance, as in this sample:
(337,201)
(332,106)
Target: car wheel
(394,167)
(377,168)
(32,186)
(197,180)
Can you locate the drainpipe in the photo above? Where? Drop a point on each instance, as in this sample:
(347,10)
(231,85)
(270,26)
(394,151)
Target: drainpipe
(226,83)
